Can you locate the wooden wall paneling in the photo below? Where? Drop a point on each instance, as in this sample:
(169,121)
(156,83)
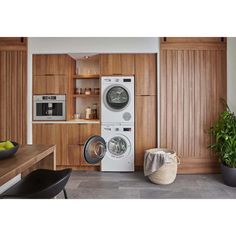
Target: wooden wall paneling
(13,44)
(192,82)
(13,82)
(145,74)
(193,40)
(145,126)
(3,105)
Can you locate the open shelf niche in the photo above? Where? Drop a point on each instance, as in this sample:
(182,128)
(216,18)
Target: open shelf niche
(87,76)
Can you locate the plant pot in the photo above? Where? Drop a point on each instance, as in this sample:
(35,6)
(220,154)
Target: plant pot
(229,175)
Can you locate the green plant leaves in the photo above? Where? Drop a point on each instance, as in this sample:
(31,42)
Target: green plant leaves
(224,131)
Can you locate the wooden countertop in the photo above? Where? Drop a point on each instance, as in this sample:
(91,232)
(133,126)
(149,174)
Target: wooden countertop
(26,157)
(74,121)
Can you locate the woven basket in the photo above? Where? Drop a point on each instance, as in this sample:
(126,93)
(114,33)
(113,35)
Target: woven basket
(167,173)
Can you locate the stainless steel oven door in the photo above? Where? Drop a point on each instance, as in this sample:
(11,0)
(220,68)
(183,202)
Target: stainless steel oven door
(49,110)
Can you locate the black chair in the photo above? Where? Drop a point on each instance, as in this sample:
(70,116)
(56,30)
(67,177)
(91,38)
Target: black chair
(39,184)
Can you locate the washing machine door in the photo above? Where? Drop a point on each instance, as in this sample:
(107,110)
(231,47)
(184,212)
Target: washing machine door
(117,146)
(116,98)
(94,149)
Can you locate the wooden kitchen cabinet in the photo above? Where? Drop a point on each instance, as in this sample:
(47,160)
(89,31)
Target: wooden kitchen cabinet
(55,84)
(117,64)
(50,134)
(68,138)
(87,130)
(145,126)
(51,64)
(145,74)
(53,74)
(74,155)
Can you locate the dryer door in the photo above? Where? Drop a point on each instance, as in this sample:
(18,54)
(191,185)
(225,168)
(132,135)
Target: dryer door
(94,149)
(116,98)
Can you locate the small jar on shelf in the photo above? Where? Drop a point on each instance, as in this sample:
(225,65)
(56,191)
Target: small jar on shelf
(88,91)
(96,91)
(78,91)
(94,111)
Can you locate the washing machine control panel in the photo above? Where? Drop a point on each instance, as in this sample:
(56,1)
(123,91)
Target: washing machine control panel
(117,129)
(117,79)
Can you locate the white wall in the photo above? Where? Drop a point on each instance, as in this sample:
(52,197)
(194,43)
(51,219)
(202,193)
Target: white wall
(231,73)
(83,45)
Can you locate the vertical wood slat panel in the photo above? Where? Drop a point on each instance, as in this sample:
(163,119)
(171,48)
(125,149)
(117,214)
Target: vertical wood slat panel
(13,84)
(192,83)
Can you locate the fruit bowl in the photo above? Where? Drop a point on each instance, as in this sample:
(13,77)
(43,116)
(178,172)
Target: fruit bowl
(9,152)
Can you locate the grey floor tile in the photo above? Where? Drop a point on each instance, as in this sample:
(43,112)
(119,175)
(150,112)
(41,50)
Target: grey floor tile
(107,185)
(99,193)
(99,184)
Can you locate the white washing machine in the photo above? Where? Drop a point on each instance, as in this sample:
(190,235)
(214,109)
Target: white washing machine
(114,148)
(117,99)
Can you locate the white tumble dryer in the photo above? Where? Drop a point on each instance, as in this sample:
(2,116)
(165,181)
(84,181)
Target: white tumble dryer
(117,99)
(114,148)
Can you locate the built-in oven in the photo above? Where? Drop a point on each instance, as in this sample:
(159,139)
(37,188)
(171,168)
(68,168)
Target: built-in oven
(49,107)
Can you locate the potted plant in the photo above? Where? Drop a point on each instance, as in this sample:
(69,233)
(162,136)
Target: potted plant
(224,132)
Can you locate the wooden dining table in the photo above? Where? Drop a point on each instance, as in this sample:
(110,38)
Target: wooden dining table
(27,159)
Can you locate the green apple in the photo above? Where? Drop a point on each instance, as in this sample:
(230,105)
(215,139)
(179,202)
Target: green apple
(2,144)
(2,149)
(9,145)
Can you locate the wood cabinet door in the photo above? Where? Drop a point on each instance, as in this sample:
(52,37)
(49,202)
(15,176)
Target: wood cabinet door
(86,131)
(52,64)
(127,64)
(50,84)
(110,64)
(117,64)
(13,96)
(74,155)
(73,142)
(51,134)
(145,74)
(145,126)
(192,83)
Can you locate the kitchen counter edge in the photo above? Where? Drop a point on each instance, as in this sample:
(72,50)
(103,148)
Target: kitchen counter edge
(81,121)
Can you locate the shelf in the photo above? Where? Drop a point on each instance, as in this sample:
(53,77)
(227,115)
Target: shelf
(83,95)
(86,76)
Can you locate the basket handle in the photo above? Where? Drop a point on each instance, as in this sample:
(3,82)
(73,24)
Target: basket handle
(178,160)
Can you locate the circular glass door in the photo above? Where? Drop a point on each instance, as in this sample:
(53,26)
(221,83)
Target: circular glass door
(117,146)
(117,98)
(94,149)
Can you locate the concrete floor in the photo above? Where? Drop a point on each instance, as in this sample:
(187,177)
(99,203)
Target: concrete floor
(100,185)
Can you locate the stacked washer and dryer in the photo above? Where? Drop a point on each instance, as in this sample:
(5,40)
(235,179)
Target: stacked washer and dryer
(115,147)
